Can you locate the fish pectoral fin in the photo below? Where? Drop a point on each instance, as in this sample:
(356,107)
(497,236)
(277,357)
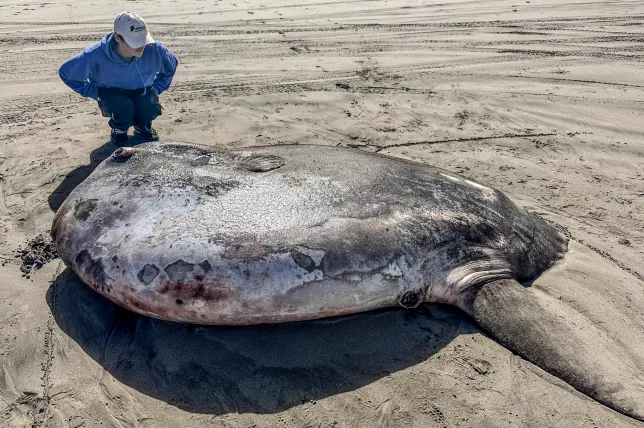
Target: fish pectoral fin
(560,340)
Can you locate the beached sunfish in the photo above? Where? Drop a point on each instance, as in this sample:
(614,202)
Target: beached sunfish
(190,233)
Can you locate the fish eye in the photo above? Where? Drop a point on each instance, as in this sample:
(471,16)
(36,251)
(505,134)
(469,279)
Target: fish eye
(122,153)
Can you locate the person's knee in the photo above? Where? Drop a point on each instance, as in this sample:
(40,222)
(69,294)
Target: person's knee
(115,103)
(147,115)
(149,108)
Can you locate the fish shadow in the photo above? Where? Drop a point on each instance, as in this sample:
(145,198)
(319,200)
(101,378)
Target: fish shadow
(78,175)
(255,369)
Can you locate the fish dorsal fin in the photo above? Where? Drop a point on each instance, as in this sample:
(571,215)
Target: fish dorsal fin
(260,163)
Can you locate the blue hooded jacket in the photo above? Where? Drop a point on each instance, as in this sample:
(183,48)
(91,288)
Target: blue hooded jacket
(100,66)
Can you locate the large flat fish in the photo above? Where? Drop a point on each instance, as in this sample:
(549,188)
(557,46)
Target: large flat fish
(190,233)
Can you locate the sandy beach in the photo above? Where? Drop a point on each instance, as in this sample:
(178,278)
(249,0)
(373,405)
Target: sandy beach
(540,99)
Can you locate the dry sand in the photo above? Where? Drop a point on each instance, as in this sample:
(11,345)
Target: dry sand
(541,99)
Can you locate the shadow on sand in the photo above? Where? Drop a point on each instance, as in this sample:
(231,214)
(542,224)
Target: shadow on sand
(79,175)
(257,369)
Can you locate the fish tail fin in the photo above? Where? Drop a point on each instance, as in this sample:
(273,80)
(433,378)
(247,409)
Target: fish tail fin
(560,340)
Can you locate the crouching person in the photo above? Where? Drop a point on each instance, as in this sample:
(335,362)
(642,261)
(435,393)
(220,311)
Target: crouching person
(125,73)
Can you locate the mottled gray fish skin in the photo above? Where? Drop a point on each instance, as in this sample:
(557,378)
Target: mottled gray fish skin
(282,233)
(190,233)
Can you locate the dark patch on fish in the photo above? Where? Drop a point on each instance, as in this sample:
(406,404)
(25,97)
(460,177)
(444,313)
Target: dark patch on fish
(303,261)
(84,208)
(194,290)
(91,268)
(216,189)
(148,273)
(178,270)
(189,150)
(200,161)
(206,266)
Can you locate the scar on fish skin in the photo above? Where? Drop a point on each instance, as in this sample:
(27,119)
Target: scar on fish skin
(84,209)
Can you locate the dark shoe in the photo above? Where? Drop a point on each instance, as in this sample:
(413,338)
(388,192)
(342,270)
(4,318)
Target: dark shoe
(118,136)
(146,134)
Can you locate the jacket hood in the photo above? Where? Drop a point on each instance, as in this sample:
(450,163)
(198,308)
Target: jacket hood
(108,44)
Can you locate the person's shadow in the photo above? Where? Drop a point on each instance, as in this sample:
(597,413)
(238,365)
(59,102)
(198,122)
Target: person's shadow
(256,369)
(78,175)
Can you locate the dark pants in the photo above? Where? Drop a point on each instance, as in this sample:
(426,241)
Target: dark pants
(127,107)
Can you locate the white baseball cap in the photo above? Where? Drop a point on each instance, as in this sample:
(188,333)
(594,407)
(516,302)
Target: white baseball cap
(133,29)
